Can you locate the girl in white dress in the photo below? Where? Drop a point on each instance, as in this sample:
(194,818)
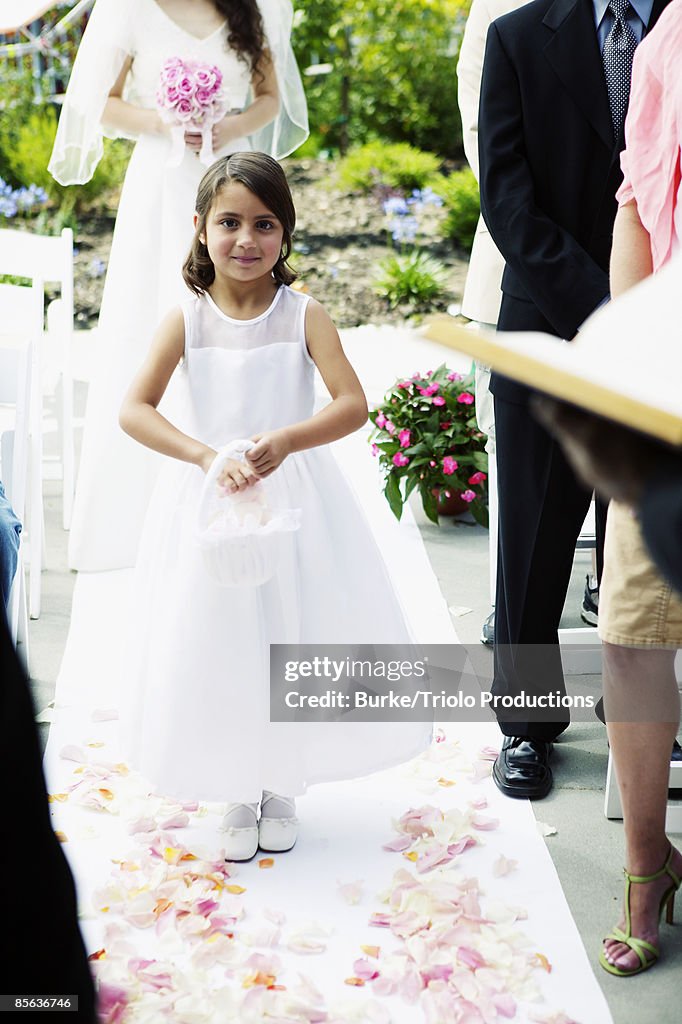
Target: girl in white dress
(244,350)
(112,90)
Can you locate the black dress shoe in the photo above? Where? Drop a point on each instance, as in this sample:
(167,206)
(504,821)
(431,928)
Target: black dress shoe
(522,768)
(677,752)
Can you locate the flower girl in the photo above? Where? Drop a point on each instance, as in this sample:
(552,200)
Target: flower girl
(245,347)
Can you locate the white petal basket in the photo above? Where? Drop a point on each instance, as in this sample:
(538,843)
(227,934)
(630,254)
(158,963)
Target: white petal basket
(241,535)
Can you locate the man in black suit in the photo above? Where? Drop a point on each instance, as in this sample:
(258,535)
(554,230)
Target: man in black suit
(553,98)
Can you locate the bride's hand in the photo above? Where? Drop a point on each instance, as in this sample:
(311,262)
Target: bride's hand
(225,131)
(193,141)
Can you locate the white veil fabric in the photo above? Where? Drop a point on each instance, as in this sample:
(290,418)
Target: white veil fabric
(290,128)
(102,53)
(106,44)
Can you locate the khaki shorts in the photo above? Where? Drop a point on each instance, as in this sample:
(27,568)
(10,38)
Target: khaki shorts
(637,606)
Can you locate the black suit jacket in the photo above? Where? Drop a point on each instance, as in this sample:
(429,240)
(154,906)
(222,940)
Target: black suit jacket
(549,166)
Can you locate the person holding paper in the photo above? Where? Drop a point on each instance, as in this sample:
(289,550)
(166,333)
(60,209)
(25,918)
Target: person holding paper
(626,466)
(553,98)
(641,637)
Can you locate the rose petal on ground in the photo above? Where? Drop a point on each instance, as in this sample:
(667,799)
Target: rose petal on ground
(179,820)
(372,951)
(266,862)
(351,892)
(488,753)
(544,829)
(142,825)
(398,844)
(73,753)
(364,969)
(484,824)
(503,866)
(544,962)
(104,715)
(470,957)
(357,982)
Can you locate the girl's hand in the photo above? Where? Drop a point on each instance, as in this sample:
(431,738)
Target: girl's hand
(225,131)
(270,451)
(236,476)
(205,461)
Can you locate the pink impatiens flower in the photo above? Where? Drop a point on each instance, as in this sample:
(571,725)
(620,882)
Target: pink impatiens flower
(450,465)
(381,420)
(404,438)
(466,398)
(375,451)
(438,400)
(468,495)
(477,478)
(400,460)
(455,376)
(430,390)
(390,427)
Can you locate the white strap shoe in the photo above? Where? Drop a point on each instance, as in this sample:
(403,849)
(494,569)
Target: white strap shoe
(240,825)
(278,825)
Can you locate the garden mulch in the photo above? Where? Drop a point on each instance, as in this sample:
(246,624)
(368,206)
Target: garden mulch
(340,239)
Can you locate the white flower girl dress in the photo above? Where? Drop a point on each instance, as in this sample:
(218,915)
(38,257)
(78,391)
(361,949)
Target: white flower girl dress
(196,721)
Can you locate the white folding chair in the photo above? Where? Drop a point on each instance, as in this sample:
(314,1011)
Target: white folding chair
(613,807)
(21,318)
(45,259)
(16,371)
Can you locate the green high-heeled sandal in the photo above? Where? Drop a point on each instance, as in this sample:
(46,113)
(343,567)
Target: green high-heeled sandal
(640,946)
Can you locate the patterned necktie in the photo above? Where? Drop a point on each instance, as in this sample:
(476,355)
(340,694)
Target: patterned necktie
(619,49)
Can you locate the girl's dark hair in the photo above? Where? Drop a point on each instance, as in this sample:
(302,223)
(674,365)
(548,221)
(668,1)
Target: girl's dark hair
(265,178)
(245,31)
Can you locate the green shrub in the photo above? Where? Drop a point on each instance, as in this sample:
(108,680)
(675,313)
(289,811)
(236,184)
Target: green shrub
(459,192)
(31,154)
(412,277)
(396,165)
(391,70)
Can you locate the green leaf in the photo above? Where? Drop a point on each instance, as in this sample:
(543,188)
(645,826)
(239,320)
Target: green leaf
(429,503)
(412,482)
(480,461)
(479,511)
(393,495)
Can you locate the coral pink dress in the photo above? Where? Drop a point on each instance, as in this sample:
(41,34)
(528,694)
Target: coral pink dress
(653,134)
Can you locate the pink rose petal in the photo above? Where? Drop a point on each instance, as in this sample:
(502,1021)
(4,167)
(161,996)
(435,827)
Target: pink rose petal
(398,844)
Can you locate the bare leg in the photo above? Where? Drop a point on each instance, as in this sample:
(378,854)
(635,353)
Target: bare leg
(641,754)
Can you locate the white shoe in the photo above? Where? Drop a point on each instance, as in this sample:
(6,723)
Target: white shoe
(278,825)
(240,825)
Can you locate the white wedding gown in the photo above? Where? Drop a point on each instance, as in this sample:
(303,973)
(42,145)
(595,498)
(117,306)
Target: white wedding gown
(151,239)
(197,666)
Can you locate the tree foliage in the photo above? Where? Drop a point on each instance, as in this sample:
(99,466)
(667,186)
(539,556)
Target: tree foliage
(393,70)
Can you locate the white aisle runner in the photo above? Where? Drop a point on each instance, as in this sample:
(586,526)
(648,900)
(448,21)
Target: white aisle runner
(462,922)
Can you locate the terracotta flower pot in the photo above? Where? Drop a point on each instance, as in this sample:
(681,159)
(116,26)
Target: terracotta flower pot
(450,505)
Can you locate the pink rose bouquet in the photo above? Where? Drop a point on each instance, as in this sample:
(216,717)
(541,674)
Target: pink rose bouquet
(190,97)
(426,438)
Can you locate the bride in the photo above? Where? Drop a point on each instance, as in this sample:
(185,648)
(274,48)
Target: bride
(112,91)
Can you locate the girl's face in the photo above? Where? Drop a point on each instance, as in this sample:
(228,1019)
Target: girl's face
(243,238)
